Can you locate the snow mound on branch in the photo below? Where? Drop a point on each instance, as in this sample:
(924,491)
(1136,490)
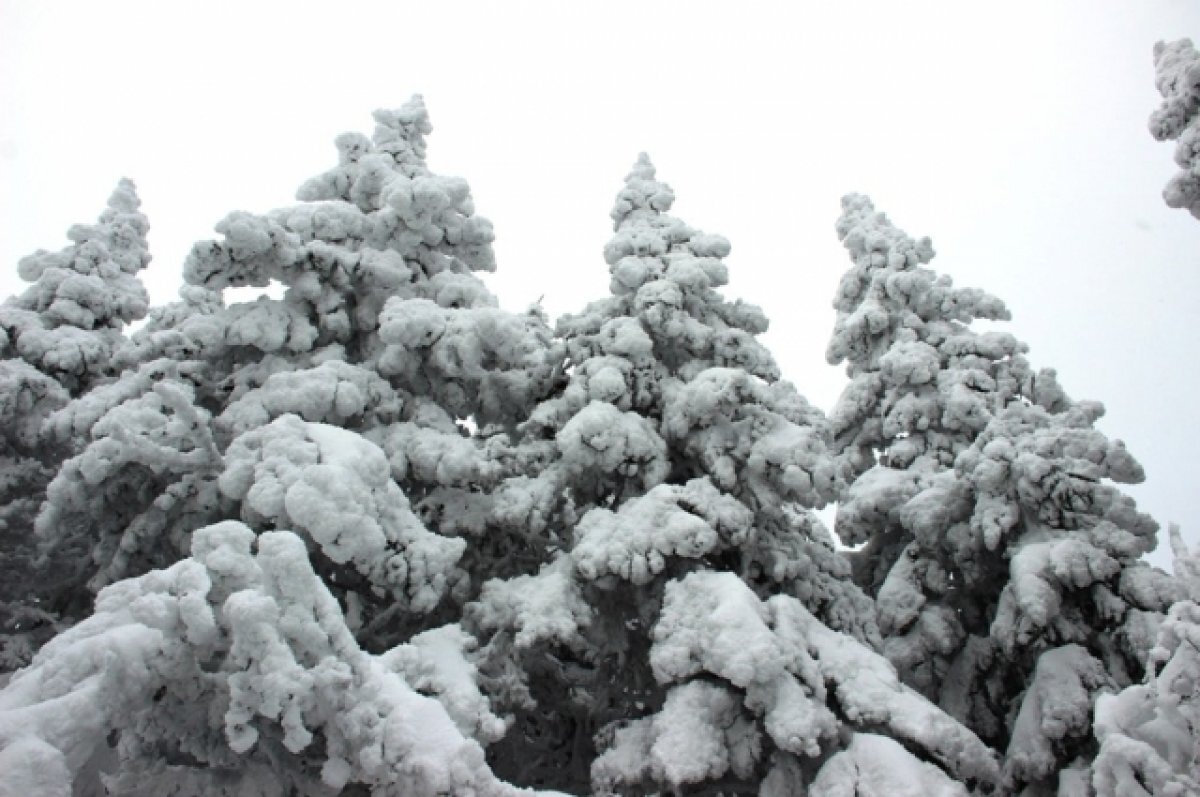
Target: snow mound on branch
(600,440)
(784,661)
(635,541)
(876,766)
(438,663)
(335,486)
(1056,709)
(700,734)
(542,607)
(744,431)
(333,392)
(33,767)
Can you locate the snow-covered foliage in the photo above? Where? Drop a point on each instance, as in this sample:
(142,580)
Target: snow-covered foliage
(68,323)
(1177,76)
(1004,562)
(233,672)
(57,340)
(378,535)
(671,447)
(744,676)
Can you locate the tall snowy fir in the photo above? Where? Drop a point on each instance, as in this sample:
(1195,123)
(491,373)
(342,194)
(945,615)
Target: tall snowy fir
(371,533)
(1005,566)
(58,341)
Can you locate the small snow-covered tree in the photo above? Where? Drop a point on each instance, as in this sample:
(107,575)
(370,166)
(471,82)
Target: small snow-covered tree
(1005,567)
(1177,76)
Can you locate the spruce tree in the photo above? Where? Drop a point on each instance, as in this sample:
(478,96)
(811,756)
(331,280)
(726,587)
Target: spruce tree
(687,636)
(1005,566)
(57,340)
(308,425)
(382,329)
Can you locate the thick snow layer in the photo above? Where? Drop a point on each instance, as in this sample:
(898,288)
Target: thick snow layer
(260,643)
(876,766)
(635,541)
(1148,732)
(784,661)
(336,486)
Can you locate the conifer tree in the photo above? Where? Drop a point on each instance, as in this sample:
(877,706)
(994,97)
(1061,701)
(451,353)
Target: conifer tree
(57,340)
(1147,733)
(68,324)
(381,329)
(1005,567)
(283,443)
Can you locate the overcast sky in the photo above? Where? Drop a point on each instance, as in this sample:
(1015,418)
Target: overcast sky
(1014,134)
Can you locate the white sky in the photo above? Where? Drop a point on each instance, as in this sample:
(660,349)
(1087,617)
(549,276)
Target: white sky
(1014,134)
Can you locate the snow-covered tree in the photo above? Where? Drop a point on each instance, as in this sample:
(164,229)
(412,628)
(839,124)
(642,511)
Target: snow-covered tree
(334,412)
(381,329)
(1005,567)
(57,340)
(697,630)
(372,534)
(923,385)
(1177,75)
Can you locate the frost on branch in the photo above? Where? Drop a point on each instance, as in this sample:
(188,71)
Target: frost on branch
(1177,77)
(288,700)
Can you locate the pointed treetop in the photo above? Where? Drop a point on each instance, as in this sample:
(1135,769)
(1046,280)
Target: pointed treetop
(117,239)
(124,199)
(642,195)
(401,132)
(888,295)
